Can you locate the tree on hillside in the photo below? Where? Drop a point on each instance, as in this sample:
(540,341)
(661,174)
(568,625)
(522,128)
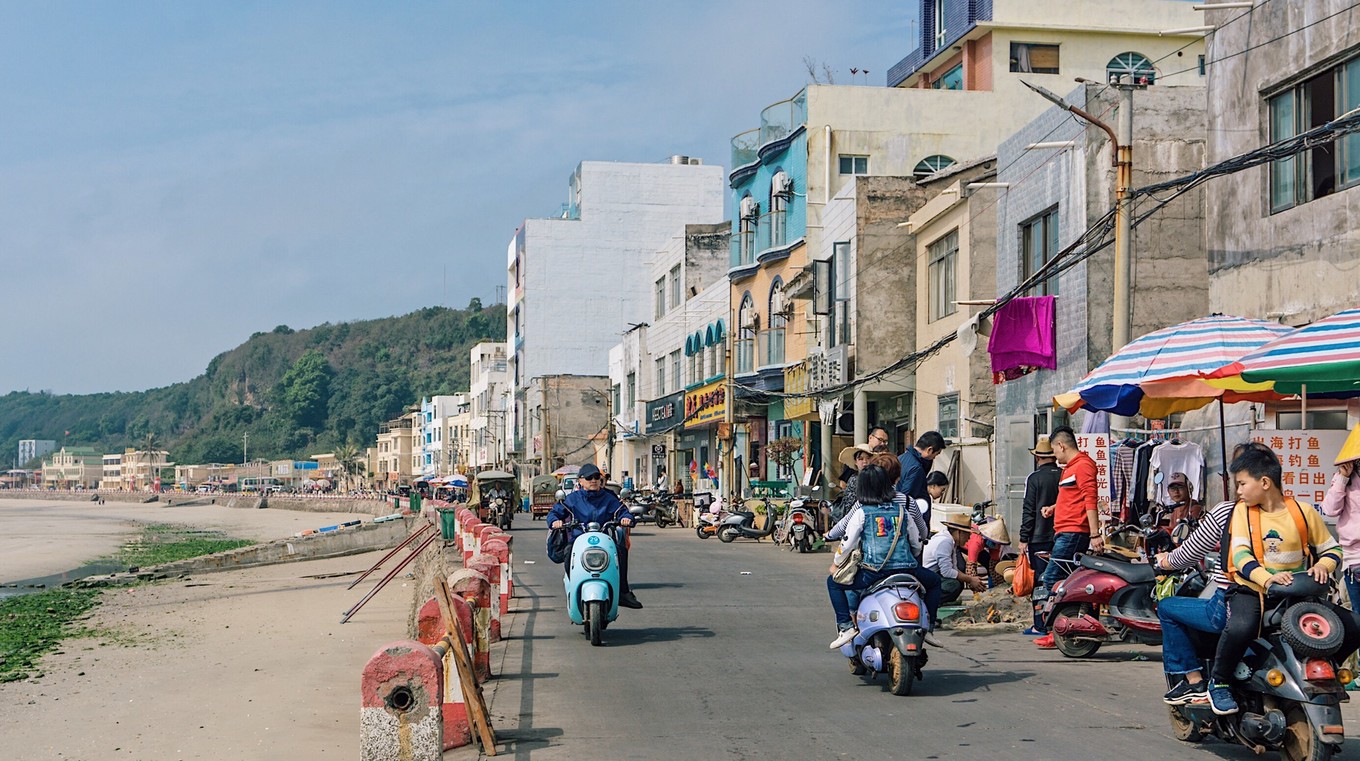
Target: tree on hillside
(305,391)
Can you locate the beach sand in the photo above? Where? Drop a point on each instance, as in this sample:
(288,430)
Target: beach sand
(42,537)
(248,664)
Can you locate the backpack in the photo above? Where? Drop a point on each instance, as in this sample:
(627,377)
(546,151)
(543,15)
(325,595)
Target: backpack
(1254,532)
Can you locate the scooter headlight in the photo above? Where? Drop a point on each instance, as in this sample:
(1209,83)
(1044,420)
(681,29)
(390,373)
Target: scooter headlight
(595,560)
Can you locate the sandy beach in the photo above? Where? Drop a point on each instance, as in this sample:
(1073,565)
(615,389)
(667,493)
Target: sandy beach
(248,664)
(42,537)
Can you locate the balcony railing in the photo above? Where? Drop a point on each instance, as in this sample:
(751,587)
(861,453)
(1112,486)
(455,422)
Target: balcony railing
(771,232)
(771,347)
(744,148)
(746,356)
(782,118)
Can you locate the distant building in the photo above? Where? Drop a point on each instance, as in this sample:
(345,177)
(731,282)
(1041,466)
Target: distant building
(73,468)
(393,451)
(576,282)
(32,449)
(489,380)
(566,415)
(141,469)
(112,476)
(435,454)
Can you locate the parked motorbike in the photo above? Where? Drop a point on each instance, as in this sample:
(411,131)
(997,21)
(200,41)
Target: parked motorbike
(798,527)
(1289,686)
(892,627)
(658,508)
(592,578)
(707,523)
(742,524)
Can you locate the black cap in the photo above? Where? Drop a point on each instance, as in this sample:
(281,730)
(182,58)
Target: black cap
(587,471)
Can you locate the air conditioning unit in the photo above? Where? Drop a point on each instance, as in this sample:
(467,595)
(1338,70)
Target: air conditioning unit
(781,184)
(751,320)
(750,209)
(780,304)
(845,424)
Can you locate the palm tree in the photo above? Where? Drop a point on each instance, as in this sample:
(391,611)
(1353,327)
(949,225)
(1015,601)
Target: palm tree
(149,444)
(347,457)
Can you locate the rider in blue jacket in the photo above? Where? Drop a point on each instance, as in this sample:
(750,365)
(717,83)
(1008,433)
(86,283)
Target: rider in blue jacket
(592,503)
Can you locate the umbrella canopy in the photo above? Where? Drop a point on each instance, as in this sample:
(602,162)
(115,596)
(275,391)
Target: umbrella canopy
(456,480)
(1323,357)
(567,470)
(1161,372)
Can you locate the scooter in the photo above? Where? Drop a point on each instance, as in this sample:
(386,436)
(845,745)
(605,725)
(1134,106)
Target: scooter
(592,579)
(892,621)
(500,514)
(658,508)
(742,523)
(1289,686)
(798,527)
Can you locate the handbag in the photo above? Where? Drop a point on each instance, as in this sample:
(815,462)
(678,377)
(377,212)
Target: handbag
(559,545)
(1022,582)
(848,567)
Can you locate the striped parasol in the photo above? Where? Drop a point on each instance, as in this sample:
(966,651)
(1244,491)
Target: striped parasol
(1161,372)
(1322,358)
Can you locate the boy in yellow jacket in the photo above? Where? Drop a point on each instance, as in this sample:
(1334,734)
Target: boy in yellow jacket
(1266,547)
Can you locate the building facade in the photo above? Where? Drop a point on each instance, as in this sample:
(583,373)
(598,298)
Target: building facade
(73,468)
(393,453)
(33,449)
(490,383)
(437,450)
(578,281)
(568,417)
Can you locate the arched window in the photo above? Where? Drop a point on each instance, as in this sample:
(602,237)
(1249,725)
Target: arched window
(1135,66)
(930,165)
(781,190)
(748,324)
(774,331)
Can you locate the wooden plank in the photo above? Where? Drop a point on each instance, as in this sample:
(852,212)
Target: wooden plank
(467,676)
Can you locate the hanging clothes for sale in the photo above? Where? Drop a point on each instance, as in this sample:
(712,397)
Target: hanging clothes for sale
(1121,478)
(1142,477)
(1177,457)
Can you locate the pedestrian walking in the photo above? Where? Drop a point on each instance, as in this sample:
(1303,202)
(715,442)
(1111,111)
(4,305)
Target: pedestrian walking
(1075,514)
(1342,501)
(916,463)
(1036,529)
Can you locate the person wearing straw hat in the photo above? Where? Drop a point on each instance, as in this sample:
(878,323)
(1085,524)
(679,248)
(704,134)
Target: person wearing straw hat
(942,556)
(1036,529)
(984,547)
(1342,501)
(854,459)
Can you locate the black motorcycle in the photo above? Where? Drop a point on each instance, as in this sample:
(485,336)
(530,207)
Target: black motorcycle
(1289,686)
(658,508)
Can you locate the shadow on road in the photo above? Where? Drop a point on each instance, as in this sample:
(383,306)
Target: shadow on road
(617,637)
(658,585)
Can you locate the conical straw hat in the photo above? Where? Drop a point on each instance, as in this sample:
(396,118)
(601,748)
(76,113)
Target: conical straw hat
(1351,449)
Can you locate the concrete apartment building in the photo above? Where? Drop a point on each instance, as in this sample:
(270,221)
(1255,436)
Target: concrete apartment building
(1054,195)
(32,449)
(1292,241)
(490,384)
(568,416)
(632,381)
(393,453)
(578,281)
(73,468)
(441,424)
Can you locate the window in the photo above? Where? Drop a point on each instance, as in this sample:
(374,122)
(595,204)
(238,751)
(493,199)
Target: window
(618,399)
(1325,169)
(839,292)
(1135,66)
(930,165)
(949,416)
(774,333)
(660,310)
(746,230)
(944,261)
(1038,244)
(781,188)
(676,379)
(950,80)
(660,377)
(1201,65)
(854,164)
(1317,419)
(941,31)
(746,335)
(675,286)
(632,390)
(1033,58)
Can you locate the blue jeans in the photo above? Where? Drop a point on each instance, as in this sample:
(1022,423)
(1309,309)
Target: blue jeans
(1066,546)
(840,593)
(1178,616)
(1352,578)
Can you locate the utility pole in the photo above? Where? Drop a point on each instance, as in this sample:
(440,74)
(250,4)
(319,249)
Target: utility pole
(547,433)
(245,448)
(729,401)
(609,430)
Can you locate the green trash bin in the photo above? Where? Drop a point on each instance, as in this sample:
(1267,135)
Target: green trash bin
(448,523)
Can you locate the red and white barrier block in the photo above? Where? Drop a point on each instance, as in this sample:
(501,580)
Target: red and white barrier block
(401,717)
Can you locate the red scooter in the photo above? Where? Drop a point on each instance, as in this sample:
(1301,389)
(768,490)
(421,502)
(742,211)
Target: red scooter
(1106,599)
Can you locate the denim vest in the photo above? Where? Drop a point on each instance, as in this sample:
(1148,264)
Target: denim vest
(880,525)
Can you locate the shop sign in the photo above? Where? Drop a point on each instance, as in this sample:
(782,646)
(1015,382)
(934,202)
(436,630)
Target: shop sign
(706,404)
(1306,459)
(658,451)
(796,382)
(1098,447)
(664,414)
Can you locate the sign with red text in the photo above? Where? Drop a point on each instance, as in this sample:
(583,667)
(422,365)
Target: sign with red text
(1097,446)
(1305,460)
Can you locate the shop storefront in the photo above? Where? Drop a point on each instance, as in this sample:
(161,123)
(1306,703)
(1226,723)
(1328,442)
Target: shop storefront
(698,461)
(664,416)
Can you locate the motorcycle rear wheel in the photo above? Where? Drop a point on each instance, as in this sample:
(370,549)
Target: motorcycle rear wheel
(1182,728)
(699,530)
(662,522)
(1301,742)
(1312,629)
(595,621)
(901,672)
(1070,646)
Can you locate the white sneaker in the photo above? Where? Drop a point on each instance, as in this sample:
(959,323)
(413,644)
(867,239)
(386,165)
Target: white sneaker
(929,637)
(844,638)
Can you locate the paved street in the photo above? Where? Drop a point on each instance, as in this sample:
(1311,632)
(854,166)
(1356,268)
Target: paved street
(724,665)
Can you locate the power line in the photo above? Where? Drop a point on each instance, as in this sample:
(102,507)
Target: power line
(1270,41)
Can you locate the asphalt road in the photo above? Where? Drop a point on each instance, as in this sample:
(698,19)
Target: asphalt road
(729,660)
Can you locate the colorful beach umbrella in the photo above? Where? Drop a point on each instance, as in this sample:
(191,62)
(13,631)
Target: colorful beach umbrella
(1162,372)
(1322,359)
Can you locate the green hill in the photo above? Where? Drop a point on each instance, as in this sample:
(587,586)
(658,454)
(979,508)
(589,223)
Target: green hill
(295,392)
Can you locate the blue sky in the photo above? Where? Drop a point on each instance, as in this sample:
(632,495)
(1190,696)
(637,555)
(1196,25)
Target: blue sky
(197,172)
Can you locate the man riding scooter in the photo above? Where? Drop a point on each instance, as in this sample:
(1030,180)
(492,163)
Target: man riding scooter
(592,503)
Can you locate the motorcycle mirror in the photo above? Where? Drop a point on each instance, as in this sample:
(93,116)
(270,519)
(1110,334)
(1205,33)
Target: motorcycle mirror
(560,495)
(1146,520)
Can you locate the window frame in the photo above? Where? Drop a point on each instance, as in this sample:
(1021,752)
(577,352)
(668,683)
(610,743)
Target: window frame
(1051,231)
(926,166)
(853,158)
(942,268)
(775,326)
(952,79)
(949,427)
(659,369)
(676,292)
(1301,169)
(677,371)
(659,299)
(1029,47)
(838,321)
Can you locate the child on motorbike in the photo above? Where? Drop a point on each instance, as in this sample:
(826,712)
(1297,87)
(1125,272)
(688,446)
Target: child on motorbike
(1265,547)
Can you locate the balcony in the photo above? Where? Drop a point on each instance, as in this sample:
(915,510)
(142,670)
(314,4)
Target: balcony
(781,119)
(745,150)
(768,242)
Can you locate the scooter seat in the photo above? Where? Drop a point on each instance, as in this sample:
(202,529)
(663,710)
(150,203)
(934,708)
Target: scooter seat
(897,579)
(1133,573)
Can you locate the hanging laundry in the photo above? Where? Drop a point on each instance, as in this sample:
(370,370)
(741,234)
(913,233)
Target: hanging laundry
(1178,457)
(1023,335)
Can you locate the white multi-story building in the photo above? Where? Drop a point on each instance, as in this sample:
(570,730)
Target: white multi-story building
(436,451)
(489,378)
(577,282)
(32,449)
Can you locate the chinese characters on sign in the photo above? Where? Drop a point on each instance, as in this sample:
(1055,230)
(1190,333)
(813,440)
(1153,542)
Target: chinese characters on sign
(1097,446)
(705,404)
(1305,460)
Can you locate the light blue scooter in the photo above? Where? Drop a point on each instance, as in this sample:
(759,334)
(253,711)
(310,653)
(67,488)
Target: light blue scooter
(892,621)
(592,579)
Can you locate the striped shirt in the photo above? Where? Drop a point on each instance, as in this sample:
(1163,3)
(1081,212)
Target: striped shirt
(1202,541)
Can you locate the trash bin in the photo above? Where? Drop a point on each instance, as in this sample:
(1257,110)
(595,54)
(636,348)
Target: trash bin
(448,523)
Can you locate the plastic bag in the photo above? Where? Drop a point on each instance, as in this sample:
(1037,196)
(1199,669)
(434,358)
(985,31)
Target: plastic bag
(1022,582)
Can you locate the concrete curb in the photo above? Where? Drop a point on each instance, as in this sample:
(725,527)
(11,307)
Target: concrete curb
(402,689)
